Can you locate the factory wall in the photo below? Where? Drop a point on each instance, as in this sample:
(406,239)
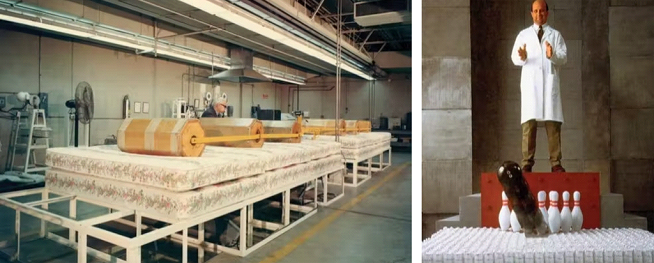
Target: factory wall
(392,97)
(35,62)
(112,74)
(40,62)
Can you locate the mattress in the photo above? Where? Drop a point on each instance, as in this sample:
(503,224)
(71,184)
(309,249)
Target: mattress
(379,136)
(181,205)
(363,153)
(356,141)
(217,164)
(494,245)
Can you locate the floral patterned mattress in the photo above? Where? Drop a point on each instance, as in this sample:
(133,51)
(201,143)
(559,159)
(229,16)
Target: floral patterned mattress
(357,141)
(217,164)
(361,154)
(181,205)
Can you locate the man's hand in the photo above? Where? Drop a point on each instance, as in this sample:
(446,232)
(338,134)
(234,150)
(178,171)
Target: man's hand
(548,48)
(523,52)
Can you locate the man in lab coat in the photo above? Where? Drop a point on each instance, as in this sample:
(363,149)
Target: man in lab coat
(541,51)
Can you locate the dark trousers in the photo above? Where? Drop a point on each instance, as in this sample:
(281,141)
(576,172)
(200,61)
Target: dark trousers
(553,129)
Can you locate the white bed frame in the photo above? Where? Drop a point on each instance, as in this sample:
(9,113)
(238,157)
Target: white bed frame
(357,178)
(325,185)
(87,228)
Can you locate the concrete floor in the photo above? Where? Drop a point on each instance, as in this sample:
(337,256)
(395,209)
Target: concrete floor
(371,223)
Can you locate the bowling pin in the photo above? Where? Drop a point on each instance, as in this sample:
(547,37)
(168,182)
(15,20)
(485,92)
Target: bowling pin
(554,214)
(541,205)
(566,216)
(577,216)
(515,224)
(505,213)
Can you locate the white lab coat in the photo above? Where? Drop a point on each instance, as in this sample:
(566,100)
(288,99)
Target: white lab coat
(540,90)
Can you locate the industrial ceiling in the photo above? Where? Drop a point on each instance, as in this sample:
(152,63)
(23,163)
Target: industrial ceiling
(302,33)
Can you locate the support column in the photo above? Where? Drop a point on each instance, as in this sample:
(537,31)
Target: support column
(596,90)
(446,105)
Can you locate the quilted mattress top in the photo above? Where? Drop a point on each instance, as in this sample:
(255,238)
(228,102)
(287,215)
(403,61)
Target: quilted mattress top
(361,140)
(216,165)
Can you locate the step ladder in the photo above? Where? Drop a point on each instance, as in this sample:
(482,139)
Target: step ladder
(29,135)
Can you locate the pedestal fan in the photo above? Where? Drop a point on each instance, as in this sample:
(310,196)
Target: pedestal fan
(82,108)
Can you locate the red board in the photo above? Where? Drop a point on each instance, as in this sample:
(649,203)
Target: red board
(586,183)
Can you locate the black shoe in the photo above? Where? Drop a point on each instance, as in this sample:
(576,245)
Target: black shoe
(558,169)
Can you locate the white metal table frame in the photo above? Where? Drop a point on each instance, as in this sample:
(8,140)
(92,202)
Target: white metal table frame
(380,165)
(359,179)
(325,184)
(85,228)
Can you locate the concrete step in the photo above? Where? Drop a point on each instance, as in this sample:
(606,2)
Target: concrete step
(470,209)
(453,221)
(611,209)
(634,221)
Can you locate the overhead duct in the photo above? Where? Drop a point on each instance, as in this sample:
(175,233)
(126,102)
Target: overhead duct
(372,13)
(241,70)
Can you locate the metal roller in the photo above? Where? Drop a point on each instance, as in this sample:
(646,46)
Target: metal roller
(325,126)
(282,127)
(188,137)
(357,126)
(220,127)
(166,137)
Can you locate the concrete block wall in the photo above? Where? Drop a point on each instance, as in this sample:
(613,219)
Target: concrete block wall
(447,105)
(631,38)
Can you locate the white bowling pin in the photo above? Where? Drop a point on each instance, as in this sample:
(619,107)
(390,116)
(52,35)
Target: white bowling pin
(505,213)
(566,216)
(577,216)
(554,214)
(515,224)
(541,205)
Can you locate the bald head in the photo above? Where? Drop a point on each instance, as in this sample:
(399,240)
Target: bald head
(539,12)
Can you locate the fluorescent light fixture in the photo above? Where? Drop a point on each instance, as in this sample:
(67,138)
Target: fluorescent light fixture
(139,48)
(44,26)
(285,80)
(229,15)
